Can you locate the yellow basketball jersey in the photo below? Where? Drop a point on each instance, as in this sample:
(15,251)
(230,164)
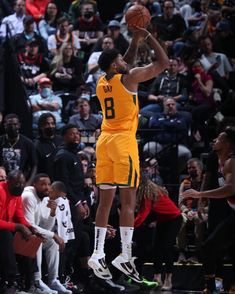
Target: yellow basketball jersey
(119,106)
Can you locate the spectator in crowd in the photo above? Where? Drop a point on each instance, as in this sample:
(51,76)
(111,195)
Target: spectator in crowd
(35,210)
(28,34)
(46,101)
(223,38)
(154,201)
(36,8)
(11,220)
(47,143)
(172,128)
(168,84)
(194,212)
(114,31)
(17,152)
(13,24)
(62,35)
(3,175)
(92,65)
(67,70)
(217,64)
(89,28)
(75,9)
(47,25)
(201,102)
(170,27)
(87,122)
(33,66)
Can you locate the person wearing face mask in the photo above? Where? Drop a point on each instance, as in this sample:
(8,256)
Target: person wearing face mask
(45,101)
(201,102)
(193,211)
(46,143)
(17,152)
(89,28)
(11,220)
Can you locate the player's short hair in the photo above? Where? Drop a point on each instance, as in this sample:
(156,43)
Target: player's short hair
(106,58)
(230,132)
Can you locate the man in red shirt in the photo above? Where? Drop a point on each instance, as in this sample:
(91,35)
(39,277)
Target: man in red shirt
(11,220)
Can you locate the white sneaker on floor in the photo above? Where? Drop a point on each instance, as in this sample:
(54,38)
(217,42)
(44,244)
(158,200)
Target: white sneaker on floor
(56,285)
(40,284)
(35,289)
(99,266)
(114,285)
(127,267)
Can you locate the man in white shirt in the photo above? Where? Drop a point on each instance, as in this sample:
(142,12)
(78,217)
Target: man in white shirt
(36,213)
(14,21)
(63,35)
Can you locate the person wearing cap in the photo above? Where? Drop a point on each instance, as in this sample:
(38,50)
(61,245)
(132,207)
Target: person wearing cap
(223,38)
(114,31)
(45,101)
(29,33)
(33,66)
(14,22)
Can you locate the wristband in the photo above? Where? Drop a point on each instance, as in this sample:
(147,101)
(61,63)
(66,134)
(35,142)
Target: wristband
(149,34)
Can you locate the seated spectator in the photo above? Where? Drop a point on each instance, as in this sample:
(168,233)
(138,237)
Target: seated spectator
(75,9)
(170,27)
(36,8)
(194,211)
(35,210)
(3,175)
(89,28)
(87,122)
(223,38)
(171,128)
(92,65)
(45,101)
(216,64)
(47,25)
(14,22)
(28,34)
(33,66)
(17,152)
(62,35)
(11,220)
(201,102)
(114,31)
(46,144)
(67,70)
(168,84)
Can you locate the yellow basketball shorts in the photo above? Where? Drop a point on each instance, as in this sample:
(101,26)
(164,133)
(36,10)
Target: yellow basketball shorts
(117,160)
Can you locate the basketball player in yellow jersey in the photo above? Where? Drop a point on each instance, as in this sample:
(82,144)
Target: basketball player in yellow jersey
(117,150)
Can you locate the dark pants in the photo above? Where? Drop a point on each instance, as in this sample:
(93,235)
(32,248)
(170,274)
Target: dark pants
(8,268)
(217,243)
(165,239)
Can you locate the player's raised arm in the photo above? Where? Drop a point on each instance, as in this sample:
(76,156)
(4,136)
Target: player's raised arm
(161,62)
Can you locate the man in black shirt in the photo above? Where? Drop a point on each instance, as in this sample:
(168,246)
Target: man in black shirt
(17,152)
(46,144)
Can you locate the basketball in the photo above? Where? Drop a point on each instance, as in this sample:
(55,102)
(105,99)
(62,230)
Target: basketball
(137,15)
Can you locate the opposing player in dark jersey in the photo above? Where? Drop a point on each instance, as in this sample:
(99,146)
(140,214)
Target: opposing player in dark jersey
(223,236)
(117,150)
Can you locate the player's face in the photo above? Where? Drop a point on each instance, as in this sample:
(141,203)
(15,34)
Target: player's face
(72,136)
(121,65)
(220,142)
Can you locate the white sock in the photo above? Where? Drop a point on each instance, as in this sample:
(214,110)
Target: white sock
(100,233)
(126,239)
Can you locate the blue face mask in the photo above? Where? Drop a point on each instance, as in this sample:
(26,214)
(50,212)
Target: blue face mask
(46,92)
